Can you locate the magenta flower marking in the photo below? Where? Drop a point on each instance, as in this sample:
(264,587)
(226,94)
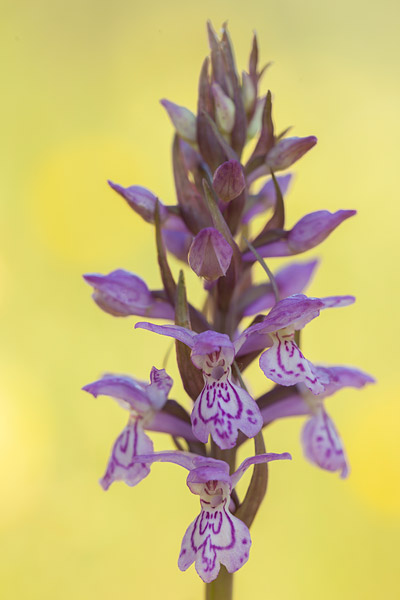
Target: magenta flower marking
(216,536)
(222,407)
(284,362)
(322,444)
(142,401)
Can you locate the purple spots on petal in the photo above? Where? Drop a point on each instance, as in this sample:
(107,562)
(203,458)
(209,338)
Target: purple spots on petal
(244,541)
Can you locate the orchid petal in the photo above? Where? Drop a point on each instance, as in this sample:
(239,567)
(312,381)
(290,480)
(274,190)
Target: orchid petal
(159,387)
(221,410)
(322,445)
(255,460)
(187,460)
(167,423)
(337,301)
(342,376)
(128,392)
(310,231)
(122,465)
(179,333)
(285,364)
(215,537)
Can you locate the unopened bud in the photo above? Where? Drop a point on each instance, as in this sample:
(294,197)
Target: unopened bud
(210,254)
(183,120)
(288,151)
(256,120)
(141,200)
(248,92)
(224,109)
(228,180)
(121,293)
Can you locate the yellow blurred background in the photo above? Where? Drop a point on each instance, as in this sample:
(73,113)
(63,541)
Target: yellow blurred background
(79,104)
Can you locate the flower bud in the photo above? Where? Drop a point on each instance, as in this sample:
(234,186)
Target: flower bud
(256,120)
(210,254)
(224,109)
(183,120)
(248,92)
(229,181)
(288,151)
(121,294)
(142,200)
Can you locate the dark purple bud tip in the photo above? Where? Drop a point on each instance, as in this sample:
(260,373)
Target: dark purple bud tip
(228,180)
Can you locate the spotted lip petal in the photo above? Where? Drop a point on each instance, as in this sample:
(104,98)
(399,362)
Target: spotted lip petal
(122,465)
(215,537)
(221,410)
(285,364)
(322,445)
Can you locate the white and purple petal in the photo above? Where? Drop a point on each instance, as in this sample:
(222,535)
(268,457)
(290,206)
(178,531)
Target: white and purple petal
(285,364)
(322,445)
(221,410)
(122,465)
(215,537)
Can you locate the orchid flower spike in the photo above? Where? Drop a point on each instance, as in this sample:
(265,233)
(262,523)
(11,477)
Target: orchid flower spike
(144,403)
(216,536)
(222,408)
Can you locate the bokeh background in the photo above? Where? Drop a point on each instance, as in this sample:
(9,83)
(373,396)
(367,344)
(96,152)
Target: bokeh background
(81,82)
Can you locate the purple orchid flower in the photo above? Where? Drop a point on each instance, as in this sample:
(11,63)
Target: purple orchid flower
(216,536)
(310,231)
(284,362)
(144,403)
(321,442)
(222,408)
(121,294)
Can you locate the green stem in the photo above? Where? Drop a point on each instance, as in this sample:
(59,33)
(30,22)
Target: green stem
(222,587)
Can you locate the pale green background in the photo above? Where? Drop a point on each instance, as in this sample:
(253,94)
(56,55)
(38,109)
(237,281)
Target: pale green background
(79,104)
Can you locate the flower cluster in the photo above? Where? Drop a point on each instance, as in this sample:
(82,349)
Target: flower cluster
(218,197)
